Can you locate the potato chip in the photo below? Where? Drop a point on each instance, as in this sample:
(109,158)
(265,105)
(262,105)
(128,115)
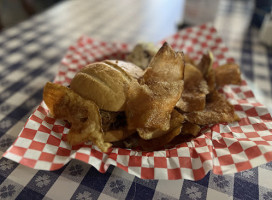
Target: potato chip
(205,66)
(188,60)
(150,103)
(193,97)
(147,118)
(159,142)
(190,129)
(217,110)
(227,74)
(83,115)
(118,134)
(175,121)
(162,137)
(166,65)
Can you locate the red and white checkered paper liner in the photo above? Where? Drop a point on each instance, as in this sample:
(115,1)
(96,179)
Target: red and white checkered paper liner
(223,148)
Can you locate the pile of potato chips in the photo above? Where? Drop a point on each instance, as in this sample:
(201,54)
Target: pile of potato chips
(167,105)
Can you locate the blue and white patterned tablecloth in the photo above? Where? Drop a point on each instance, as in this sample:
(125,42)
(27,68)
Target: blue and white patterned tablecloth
(29,55)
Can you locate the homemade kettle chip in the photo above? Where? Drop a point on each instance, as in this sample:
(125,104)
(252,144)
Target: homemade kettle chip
(195,90)
(227,74)
(217,110)
(157,143)
(83,115)
(152,100)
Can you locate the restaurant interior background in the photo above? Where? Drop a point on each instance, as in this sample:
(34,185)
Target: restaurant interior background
(247,13)
(13,12)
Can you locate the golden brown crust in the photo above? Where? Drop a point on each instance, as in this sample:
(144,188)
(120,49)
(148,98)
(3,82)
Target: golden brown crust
(105,84)
(128,68)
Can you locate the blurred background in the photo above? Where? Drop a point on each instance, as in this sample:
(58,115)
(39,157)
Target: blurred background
(13,12)
(230,17)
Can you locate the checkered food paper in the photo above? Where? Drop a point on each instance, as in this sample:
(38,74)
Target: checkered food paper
(223,148)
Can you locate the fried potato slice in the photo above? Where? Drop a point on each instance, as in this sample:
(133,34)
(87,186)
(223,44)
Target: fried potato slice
(188,132)
(118,134)
(190,129)
(83,115)
(175,121)
(205,66)
(205,63)
(159,142)
(227,74)
(195,90)
(166,65)
(150,104)
(217,110)
(188,59)
(163,137)
(210,78)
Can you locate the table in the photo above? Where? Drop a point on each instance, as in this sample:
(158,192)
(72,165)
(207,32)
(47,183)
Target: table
(30,53)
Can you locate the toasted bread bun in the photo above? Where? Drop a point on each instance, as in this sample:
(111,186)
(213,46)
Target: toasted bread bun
(105,83)
(130,68)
